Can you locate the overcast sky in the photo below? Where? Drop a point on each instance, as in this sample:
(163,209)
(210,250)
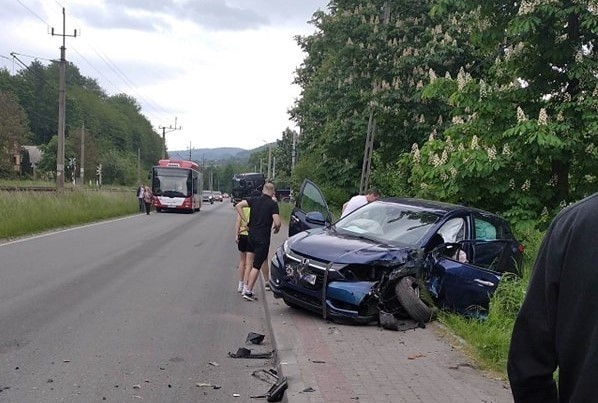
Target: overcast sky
(222,68)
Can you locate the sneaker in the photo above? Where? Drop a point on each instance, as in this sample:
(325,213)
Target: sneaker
(267,287)
(249,296)
(240,288)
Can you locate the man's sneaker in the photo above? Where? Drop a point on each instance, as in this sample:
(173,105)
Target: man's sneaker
(240,289)
(249,296)
(267,286)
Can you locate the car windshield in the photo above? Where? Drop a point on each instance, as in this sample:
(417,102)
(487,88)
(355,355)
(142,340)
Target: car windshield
(389,223)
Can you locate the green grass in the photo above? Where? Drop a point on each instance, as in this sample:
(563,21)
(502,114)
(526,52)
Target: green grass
(487,341)
(27,212)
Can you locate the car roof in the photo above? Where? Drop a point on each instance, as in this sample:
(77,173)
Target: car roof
(441,208)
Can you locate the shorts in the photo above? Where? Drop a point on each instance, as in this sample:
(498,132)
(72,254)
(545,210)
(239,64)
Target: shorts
(243,245)
(261,248)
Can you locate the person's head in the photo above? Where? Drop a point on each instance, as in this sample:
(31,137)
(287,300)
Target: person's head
(269,189)
(372,195)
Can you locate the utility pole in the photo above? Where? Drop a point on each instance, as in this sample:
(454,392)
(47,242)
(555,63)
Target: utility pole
(164,131)
(138,165)
(269,161)
(294,150)
(369,141)
(61,107)
(82,163)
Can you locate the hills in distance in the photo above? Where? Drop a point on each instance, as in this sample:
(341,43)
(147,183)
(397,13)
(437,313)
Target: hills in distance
(213,155)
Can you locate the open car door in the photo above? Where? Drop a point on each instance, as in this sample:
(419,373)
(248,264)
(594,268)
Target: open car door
(310,210)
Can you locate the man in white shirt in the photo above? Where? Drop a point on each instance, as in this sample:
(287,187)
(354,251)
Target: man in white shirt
(360,200)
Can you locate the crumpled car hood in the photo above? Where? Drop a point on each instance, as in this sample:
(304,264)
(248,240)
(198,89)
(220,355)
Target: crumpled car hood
(326,245)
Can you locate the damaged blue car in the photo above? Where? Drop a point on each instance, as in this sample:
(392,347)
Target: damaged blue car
(382,256)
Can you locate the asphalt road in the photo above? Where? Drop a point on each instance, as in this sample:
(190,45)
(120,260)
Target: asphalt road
(142,308)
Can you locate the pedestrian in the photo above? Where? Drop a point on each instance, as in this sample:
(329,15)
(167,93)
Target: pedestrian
(147,199)
(263,220)
(140,191)
(243,246)
(557,326)
(360,200)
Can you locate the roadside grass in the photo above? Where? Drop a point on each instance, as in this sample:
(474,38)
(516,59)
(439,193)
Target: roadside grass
(284,210)
(487,340)
(28,212)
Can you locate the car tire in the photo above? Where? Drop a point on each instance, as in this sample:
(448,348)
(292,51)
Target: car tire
(408,295)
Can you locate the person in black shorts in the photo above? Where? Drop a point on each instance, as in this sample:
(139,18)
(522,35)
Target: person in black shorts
(263,220)
(242,240)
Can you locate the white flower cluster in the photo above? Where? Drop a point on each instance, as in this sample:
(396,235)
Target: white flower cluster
(423,186)
(474,143)
(491,151)
(444,157)
(543,117)
(457,120)
(461,81)
(521,115)
(483,89)
(431,137)
(416,153)
(453,172)
(432,75)
(526,7)
(512,184)
(506,150)
(553,181)
(526,185)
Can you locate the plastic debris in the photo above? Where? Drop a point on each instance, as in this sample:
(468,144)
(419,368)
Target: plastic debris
(246,353)
(254,338)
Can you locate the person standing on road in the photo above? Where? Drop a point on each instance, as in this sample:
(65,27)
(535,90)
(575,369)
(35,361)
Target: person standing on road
(264,218)
(140,191)
(147,199)
(557,326)
(242,240)
(360,200)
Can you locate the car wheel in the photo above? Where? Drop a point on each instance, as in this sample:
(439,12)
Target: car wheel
(407,292)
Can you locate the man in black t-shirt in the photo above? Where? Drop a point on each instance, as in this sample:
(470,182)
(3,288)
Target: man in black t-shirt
(263,219)
(557,326)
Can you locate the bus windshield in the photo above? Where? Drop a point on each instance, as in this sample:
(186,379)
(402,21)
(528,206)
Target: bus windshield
(172,182)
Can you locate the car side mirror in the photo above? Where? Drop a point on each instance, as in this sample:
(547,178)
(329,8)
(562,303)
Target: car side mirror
(315,217)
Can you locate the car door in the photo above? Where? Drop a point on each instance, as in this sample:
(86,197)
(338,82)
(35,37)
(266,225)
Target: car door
(310,210)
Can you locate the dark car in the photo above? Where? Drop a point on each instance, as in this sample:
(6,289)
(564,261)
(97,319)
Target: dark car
(334,269)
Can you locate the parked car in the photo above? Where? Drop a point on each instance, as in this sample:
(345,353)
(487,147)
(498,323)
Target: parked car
(458,254)
(217,196)
(207,197)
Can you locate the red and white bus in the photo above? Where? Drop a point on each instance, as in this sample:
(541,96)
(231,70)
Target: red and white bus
(177,186)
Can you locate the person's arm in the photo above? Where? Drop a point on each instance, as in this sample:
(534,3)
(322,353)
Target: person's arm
(239,207)
(276,223)
(237,228)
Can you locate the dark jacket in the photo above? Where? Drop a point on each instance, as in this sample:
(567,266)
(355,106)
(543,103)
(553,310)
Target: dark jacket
(557,326)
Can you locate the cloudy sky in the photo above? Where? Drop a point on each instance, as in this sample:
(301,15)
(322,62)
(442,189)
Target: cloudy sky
(221,69)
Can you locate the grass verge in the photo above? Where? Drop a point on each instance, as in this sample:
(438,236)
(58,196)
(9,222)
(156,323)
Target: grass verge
(28,212)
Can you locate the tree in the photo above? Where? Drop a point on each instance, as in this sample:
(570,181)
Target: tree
(522,139)
(14,132)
